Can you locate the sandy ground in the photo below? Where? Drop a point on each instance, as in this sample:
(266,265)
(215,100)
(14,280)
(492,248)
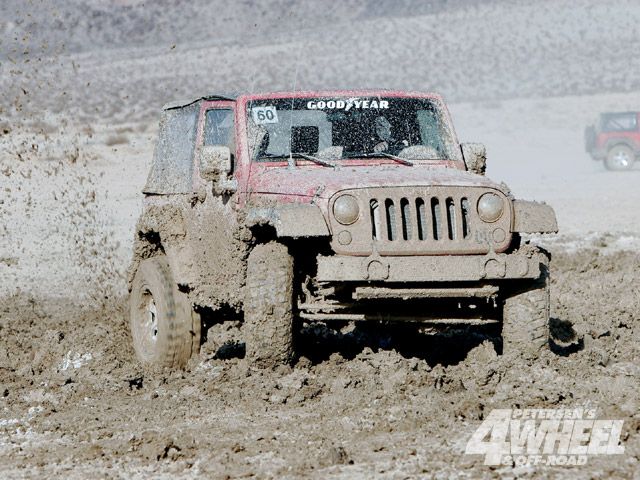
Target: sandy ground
(75,403)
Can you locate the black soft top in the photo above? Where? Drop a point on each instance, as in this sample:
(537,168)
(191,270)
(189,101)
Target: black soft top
(185,103)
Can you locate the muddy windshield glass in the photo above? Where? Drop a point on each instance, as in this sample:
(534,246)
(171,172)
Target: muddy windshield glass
(329,129)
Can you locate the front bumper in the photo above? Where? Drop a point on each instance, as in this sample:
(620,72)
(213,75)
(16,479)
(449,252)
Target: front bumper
(449,268)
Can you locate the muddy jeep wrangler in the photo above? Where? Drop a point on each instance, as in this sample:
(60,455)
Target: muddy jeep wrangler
(615,140)
(343,206)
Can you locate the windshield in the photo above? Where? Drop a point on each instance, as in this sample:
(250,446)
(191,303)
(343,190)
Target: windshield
(331,128)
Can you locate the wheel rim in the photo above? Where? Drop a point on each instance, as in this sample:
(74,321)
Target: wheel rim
(148,324)
(152,318)
(621,159)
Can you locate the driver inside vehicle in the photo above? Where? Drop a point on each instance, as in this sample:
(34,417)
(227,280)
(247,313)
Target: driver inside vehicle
(383,136)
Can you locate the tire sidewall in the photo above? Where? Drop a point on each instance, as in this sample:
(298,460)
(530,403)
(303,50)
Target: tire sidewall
(173,344)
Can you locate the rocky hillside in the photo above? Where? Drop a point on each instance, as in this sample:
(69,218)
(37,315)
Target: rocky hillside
(122,60)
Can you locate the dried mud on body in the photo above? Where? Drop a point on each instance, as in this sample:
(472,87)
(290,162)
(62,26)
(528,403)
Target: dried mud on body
(75,403)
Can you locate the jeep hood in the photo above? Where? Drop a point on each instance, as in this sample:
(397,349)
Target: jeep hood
(323,182)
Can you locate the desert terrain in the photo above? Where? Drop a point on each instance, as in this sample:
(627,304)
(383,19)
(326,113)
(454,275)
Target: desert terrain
(82,85)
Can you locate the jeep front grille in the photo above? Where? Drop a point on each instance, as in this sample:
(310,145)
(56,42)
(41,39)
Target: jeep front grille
(421,221)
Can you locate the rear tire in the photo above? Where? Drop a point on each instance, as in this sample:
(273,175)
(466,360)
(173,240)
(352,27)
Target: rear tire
(619,157)
(525,321)
(164,327)
(268,307)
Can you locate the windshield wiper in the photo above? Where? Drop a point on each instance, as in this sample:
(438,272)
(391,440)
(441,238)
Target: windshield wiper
(401,160)
(317,160)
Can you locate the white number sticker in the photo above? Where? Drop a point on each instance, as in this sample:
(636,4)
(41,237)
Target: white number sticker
(264,115)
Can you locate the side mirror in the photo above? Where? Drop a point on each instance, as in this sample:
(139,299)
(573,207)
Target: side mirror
(475,157)
(215,162)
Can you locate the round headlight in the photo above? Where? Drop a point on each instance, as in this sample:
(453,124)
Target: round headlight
(490,207)
(346,209)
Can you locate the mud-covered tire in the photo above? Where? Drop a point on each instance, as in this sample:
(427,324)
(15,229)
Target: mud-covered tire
(525,320)
(164,328)
(268,306)
(619,157)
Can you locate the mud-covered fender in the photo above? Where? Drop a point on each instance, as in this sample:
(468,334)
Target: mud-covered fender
(162,228)
(291,220)
(615,141)
(533,217)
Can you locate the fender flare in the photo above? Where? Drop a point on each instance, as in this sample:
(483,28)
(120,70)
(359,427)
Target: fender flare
(161,229)
(615,141)
(291,220)
(533,217)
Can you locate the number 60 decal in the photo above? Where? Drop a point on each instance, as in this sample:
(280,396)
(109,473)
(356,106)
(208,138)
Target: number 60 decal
(264,115)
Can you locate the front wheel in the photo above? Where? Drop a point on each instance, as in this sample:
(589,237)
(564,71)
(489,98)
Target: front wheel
(268,306)
(525,321)
(619,157)
(164,327)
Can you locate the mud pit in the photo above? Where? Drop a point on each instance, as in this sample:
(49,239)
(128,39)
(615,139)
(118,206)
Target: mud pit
(75,403)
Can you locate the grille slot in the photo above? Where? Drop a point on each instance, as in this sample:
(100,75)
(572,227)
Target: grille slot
(376,225)
(390,210)
(436,218)
(421,215)
(452,229)
(406,219)
(466,218)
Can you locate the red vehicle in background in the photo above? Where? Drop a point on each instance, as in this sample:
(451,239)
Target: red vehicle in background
(615,139)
